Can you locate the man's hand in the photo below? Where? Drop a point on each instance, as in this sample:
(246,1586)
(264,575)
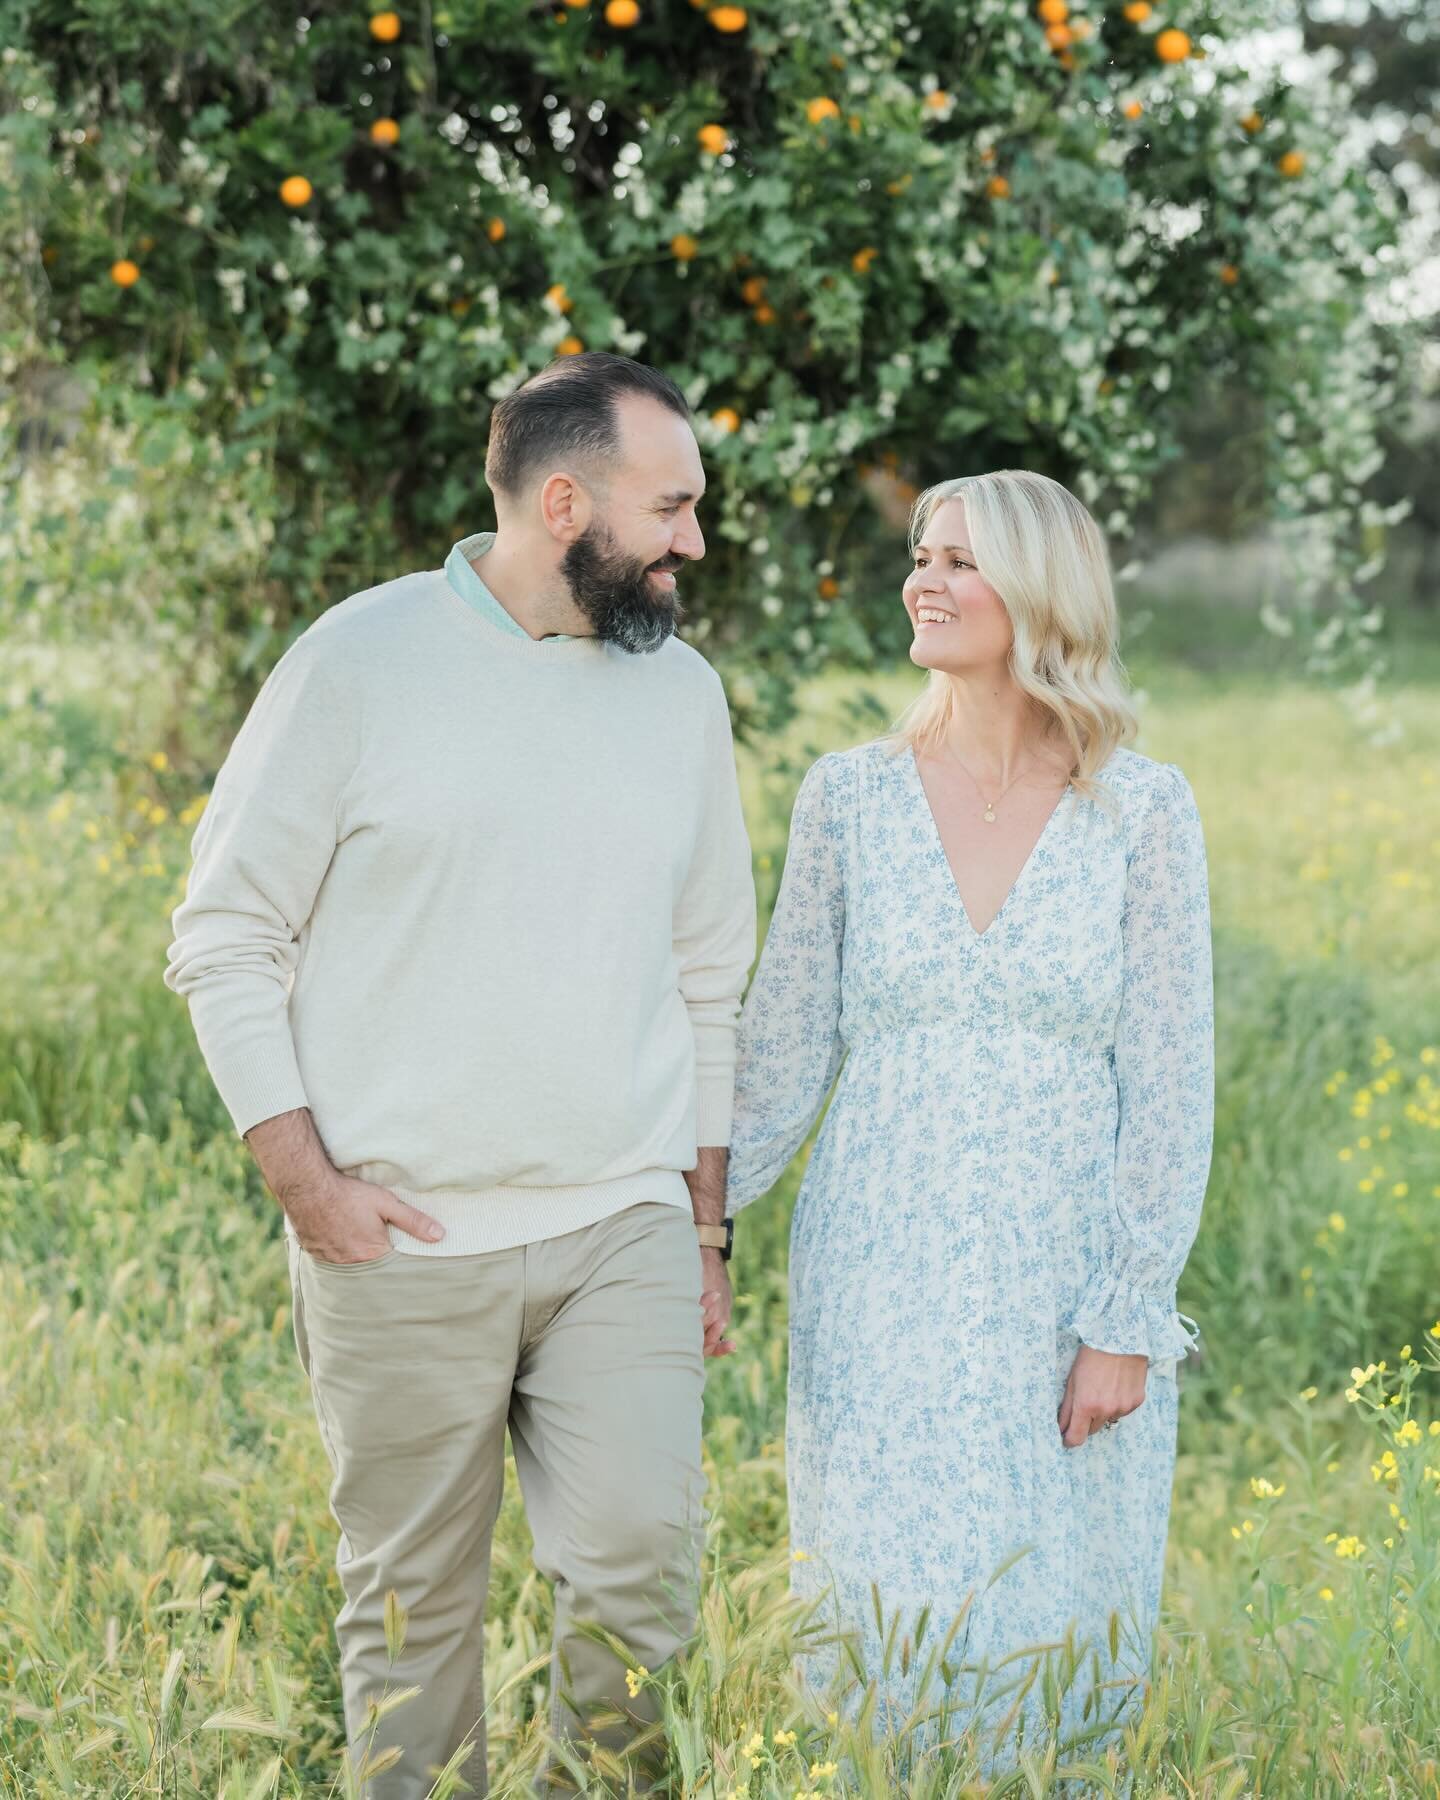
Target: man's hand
(345,1221)
(336,1217)
(1101,1386)
(716,1301)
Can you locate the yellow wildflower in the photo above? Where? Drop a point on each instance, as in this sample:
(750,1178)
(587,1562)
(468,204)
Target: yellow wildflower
(1409,1433)
(634,1678)
(783,1739)
(160,761)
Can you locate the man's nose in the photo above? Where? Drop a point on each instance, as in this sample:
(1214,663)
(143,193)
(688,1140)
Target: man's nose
(689,542)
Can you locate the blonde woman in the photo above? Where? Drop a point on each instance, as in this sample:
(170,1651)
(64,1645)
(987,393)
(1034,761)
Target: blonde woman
(997,918)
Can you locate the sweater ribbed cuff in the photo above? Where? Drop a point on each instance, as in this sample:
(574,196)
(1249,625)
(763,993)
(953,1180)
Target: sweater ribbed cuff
(260,1084)
(714,1102)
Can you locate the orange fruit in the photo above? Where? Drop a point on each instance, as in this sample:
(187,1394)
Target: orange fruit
(622,14)
(729,18)
(385,26)
(1133,109)
(1172,46)
(1138,11)
(384,132)
(1054,12)
(1252,121)
(827,587)
(1229,274)
(124,273)
(683,247)
(713,139)
(1291,163)
(569,346)
(1065,58)
(577,3)
(860,262)
(495,230)
(558,297)
(753,290)
(998,188)
(726,418)
(938,99)
(1058,37)
(822,108)
(1083,29)
(295,190)
(764,313)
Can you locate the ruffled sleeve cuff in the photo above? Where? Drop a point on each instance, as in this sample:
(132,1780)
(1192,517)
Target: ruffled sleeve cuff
(1116,1316)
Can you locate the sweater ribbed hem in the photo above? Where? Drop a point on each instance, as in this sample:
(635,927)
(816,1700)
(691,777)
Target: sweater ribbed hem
(501,1218)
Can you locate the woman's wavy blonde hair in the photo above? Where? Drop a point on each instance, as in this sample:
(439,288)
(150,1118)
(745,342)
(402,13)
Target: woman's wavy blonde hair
(1046,558)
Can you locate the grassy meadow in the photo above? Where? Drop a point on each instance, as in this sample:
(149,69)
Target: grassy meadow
(167,1581)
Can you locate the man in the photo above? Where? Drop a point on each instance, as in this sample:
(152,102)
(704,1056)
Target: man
(464,942)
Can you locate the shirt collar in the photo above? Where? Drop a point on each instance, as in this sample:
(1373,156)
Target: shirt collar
(461,573)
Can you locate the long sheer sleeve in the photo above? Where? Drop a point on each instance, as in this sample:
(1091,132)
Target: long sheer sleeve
(789,1047)
(1165,1074)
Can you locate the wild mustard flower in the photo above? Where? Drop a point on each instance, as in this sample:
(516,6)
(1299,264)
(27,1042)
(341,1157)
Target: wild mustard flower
(1327,1593)
(1350,1547)
(634,1678)
(1264,1489)
(1409,1433)
(783,1739)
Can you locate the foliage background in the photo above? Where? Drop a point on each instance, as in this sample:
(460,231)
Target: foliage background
(846,280)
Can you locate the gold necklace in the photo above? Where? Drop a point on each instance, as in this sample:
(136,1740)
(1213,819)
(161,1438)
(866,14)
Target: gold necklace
(990,805)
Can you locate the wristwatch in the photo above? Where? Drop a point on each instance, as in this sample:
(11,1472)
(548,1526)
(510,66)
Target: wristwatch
(718,1237)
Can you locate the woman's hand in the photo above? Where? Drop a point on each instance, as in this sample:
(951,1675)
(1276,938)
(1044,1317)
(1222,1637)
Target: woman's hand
(1101,1386)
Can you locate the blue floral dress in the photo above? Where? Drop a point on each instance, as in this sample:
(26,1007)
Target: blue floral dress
(1013,1165)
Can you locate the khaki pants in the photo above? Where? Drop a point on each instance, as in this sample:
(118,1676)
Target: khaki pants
(589,1346)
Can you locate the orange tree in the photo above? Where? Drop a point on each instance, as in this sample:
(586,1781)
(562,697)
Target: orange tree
(886,242)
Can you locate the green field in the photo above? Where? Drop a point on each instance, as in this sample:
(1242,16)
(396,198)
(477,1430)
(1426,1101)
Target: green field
(168,1589)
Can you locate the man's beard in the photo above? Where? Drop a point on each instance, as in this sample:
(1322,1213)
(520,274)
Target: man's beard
(616,594)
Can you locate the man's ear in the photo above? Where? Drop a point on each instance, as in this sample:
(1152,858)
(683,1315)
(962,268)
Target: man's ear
(565,507)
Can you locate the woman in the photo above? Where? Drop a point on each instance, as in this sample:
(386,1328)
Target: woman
(997,918)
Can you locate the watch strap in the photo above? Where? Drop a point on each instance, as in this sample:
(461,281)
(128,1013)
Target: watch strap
(718,1237)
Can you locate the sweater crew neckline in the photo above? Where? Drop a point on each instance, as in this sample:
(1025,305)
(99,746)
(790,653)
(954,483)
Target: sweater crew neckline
(517,643)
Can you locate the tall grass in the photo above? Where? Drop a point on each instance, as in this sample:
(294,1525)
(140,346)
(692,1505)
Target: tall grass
(167,1582)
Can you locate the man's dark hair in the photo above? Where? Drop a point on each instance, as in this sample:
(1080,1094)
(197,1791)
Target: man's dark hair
(566,413)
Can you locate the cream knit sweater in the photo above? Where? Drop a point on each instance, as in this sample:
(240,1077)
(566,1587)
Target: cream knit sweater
(484,904)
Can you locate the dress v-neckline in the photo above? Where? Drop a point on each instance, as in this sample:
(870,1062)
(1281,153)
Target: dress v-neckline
(938,846)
